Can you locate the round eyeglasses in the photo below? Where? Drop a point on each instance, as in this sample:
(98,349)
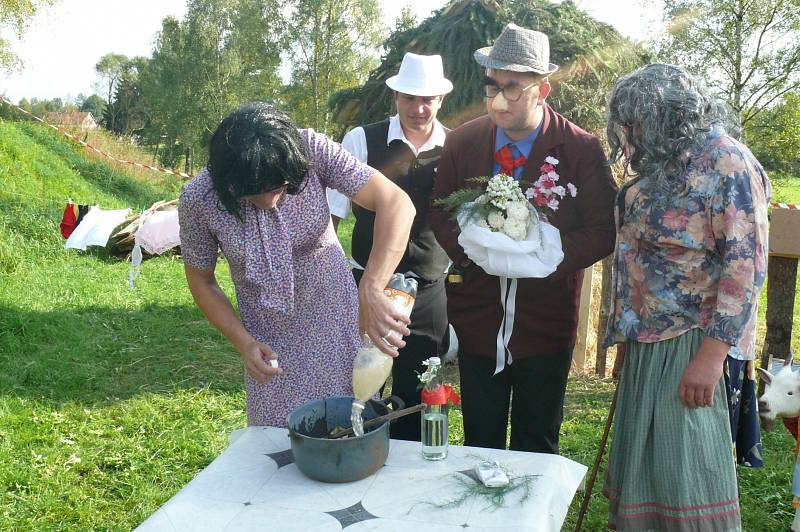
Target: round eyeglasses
(512,92)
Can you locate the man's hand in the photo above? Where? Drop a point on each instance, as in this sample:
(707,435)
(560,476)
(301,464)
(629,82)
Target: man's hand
(256,355)
(701,376)
(380,320)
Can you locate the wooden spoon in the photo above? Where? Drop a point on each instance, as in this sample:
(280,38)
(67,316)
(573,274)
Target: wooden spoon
(339,432)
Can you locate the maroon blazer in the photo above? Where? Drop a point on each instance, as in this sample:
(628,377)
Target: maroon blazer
(546,318)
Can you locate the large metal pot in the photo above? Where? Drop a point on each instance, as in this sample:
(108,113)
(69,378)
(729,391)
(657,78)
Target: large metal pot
(339,460)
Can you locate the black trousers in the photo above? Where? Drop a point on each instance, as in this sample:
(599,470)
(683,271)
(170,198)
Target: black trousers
(533,388)
(428,332)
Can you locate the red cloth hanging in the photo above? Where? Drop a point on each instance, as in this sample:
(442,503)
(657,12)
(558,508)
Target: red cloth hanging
(70,219)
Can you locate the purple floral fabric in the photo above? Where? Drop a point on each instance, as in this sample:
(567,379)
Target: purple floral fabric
(695,258)
(294,289)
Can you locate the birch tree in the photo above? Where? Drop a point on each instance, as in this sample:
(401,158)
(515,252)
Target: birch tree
(333,44)
(747,50)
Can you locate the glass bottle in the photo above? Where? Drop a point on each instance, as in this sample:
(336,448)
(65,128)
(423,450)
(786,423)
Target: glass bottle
(434,417)
(371,366)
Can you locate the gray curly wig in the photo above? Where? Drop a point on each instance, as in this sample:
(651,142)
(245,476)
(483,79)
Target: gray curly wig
(665,115)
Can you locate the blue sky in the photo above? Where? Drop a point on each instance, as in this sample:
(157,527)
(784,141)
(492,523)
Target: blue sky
(64,42)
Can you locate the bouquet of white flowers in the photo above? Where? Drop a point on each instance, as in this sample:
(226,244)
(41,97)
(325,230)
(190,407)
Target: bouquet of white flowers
(502,231)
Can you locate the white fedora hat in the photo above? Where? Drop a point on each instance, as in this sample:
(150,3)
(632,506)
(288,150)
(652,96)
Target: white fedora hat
(420,75)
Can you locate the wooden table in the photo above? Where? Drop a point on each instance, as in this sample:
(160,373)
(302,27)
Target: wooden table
(255,485)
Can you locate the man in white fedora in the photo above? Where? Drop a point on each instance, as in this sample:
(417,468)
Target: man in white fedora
(406,148)
(515,351)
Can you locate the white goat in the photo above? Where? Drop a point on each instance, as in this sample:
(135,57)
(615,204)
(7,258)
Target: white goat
(781,400)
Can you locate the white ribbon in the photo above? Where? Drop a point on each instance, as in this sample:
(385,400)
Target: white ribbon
(136,254)
(508,298)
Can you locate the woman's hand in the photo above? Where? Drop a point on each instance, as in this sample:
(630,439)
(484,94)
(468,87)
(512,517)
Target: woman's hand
(394,213)
(219,311)
(379,319)
(255,355)
(701,376)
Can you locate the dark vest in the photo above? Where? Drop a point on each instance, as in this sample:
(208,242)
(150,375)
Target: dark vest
(415,176)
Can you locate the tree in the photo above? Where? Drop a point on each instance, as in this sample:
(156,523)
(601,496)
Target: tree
(223,54)
(164,93)
(16,14)
(774,135)
(125,114)
(406,20)
(747,50)
(41,107)
(93,104)
(331,44)
(110,68)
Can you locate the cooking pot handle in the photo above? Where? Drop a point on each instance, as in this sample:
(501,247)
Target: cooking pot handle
(396,402)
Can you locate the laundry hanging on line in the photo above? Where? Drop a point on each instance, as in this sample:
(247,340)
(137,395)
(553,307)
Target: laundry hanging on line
(73,214)
(69,220)
(155,231)
(93,228)
(158,232)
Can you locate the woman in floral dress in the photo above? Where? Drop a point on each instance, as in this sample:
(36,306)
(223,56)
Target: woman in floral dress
(262,202)
(690,261)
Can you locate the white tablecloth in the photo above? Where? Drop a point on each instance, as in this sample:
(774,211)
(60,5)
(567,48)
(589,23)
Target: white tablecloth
(255,485)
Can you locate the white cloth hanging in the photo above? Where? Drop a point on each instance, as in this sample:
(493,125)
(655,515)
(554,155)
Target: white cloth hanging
(95,228)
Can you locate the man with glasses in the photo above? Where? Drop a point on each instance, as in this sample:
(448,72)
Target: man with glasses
(406,148)
(530,365)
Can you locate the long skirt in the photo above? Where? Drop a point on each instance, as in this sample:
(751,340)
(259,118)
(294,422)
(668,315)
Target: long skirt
(671,467)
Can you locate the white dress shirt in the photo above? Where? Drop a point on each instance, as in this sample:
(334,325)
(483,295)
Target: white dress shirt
(356,143)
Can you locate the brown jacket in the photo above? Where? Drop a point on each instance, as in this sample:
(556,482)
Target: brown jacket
(546,318)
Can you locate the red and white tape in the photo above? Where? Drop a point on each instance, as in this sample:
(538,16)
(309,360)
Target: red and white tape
(785,206)
(96,150)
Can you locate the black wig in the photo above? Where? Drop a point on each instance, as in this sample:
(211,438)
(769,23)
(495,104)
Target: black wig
(256,149)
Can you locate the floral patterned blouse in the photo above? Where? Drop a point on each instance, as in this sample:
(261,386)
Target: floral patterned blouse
(696,258)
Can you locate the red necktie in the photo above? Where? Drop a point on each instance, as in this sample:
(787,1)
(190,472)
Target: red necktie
(506,160)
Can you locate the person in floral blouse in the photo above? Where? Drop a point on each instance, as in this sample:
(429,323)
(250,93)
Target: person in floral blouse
(690,260)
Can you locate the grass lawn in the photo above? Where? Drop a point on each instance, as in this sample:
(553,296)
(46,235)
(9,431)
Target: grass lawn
(112,399)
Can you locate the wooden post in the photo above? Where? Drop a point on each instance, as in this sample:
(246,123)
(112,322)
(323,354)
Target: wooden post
(579,354)
(606,293)
(784,250)
(781,285)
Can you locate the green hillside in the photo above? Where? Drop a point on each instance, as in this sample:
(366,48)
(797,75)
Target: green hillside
(40,171)
(112,399)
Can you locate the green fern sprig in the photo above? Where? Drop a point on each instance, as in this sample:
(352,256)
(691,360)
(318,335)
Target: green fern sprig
(459,198)
(494,498)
